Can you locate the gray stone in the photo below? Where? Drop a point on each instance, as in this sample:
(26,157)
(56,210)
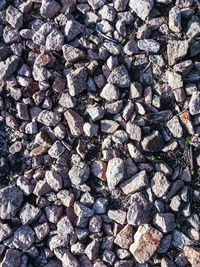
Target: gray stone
(77,81)
(159,184)
(82,211)
(175,19)
(24,237)
(67,101)
(193,27)
(194,105)
(29,214)
(41,230)
(96,113)
(184,3)
(120,77)
(149,45)
(100,205)
(136,215)
(5,231)
(110,92)
(95,224)
(164,244)
(164,222)
(176,50)
(90,129)
(65,228)
(55,40)
(56,150)
(109,256)
(49,118)
(12,258)
(11,36)
(175,203)
(115,172)
(175,127)
(141,7)
(174,80)
(69,260)
(10,201)
(49,8)
(7,67)
(180,240)
(134,131)
(92,250)
(153,142)
(118,216)
(78,174)
(41,34)
(95,4)
(75,122)
(54,180)
(14,17)
(107,12)
(72,29)
(120,137)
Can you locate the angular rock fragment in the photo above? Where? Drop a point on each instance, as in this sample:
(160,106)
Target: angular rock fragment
(175,127)
(55,40)
(194,105)
(153,142)
(7,67)
(120,77)
(72,54)
(176,51)
(117,215)
(109,126)
(164,222)
(125,237)
(77,81)
(11,258)
(49,8)
(14,17)
(175,19)
(72,29)
(159,184)
(115,172)
(149,45)
(193,255)
(134,131)
(24,237)
(75,122)
(142,7)
(78,174)
(29,214)
(49,118)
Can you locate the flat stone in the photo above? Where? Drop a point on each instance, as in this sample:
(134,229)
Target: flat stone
(10,201)
(176,50)
(159,184)
(153,142)
(142,7)
(125,237)
(77,81)
(194,105)
(82,211)
(146,241)
(96,113)
(120,77)
(29,214)
(49,118)
(149,45)
(164,222)
(24,237)
(56,150)
(14,17)
(134,131)
(160,116)
(72,54)
(175,127)
(75,122)
(115,172)
(135,183)
(135,153)
(49,8)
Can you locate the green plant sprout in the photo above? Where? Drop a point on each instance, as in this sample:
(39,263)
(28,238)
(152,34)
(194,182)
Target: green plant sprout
(197,183)
(191,171)
(187,141)
(101,159)
(155,159)
(122,42)
(100,182)
(167,68)
(87,39)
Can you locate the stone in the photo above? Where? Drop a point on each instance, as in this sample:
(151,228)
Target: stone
(107,12)
(49,8)
(56,150)
(184,67)
(49,118)
(5,231)
(55,40)
(54,180)
(109,256)
(65,228)
(90,129)
(68,6)
(193,27)
(41,34)
(120,137)
(164,222)
(175,19)
(41,188)
(175,203)
(149,45)
(153,142)
(69,260)
(180,240)
(95,224)
(125,237)
(75,122)
(98,169)
(7,67)
(159,184)
(194,104)
(72,54)
(72,29)
(67,101)
(164,244)
(24,237)
(142,7)
(137,215)
(76,81)
(184,3)
(82,211)
(118,216)
(100,205)
(41,230)
(135,183)
(109,126)
(135,90)
(131,48)
(146,241)
(120,77)
(115,172)
(96,113)
(10,201)
(22,111)
(186,120)
(193,255)
(134,131)
(95,4)
(14,17)
(29,214)
(175,127)
(174,80)
(135,153)
(12,258)
(92,250)
(78,174)
(176,50)
(104,26)
(110,92)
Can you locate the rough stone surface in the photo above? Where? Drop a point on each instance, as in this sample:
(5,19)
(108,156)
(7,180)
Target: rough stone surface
(142,7)
(153,142)
(115,172)
(159,184)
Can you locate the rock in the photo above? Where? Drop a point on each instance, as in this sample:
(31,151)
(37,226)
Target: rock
(174,80)
(153,142)
(41,188)
(193,27)
(110,92)
(175,127)
(92,250)
(160,116)
(125,237)
(24,237)
(56,150)
(65,228)
(96,113)
(67,101)
(29,214)
(90,129)
(118,216)
(164,244)
(134,131)
(68,6)
(49,118)
(149,45)
(194,105)
(98,169)
(120,77)
(77,81)
(135,90)
(164,222)
(78,174)
(180,240)
(135,183)
(146,241)
(159,184)
(177,185)
(5,231)
(184,67)
(137,215)
(41,230)
(107,12)
(175,203)
(100,205)
(72,29)
(12,258)
(95,224)
(75,122)
(184,3)
(175,19)
(49,8)
(186,120)
(82,211)
(176,50)
(10,201)
(115,172)
(109,256)
(142,7)
(109,126)
(135,153)
(55,40)
(72,54)
(69,260)
(120,137)
(14,17)
(7,67)
(193,255)
(54,180)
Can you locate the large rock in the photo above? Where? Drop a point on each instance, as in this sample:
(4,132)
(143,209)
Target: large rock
(125,237)
(49,8)
(10,200)
(24,237)
(176,50)
(49,118)
(146,241)
(12,258)
(120,77)
(153,142)
(79,173)
(164,222)
(159,184)
(14,17)
(194,105)
(72,29)
(76,81)
(141,7)
(7,67)
(75,122)
(115,172)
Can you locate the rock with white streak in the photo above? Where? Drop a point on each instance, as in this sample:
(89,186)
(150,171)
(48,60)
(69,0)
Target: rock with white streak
(115,172)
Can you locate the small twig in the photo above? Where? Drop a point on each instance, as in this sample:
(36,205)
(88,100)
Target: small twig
(108,38)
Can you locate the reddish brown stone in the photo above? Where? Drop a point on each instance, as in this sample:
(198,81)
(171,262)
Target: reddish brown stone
(30,89)
(12,122)
(75,122)
(98,168)
(185,118)
(43,59)
(125,237)
(38,150)
(193,255)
